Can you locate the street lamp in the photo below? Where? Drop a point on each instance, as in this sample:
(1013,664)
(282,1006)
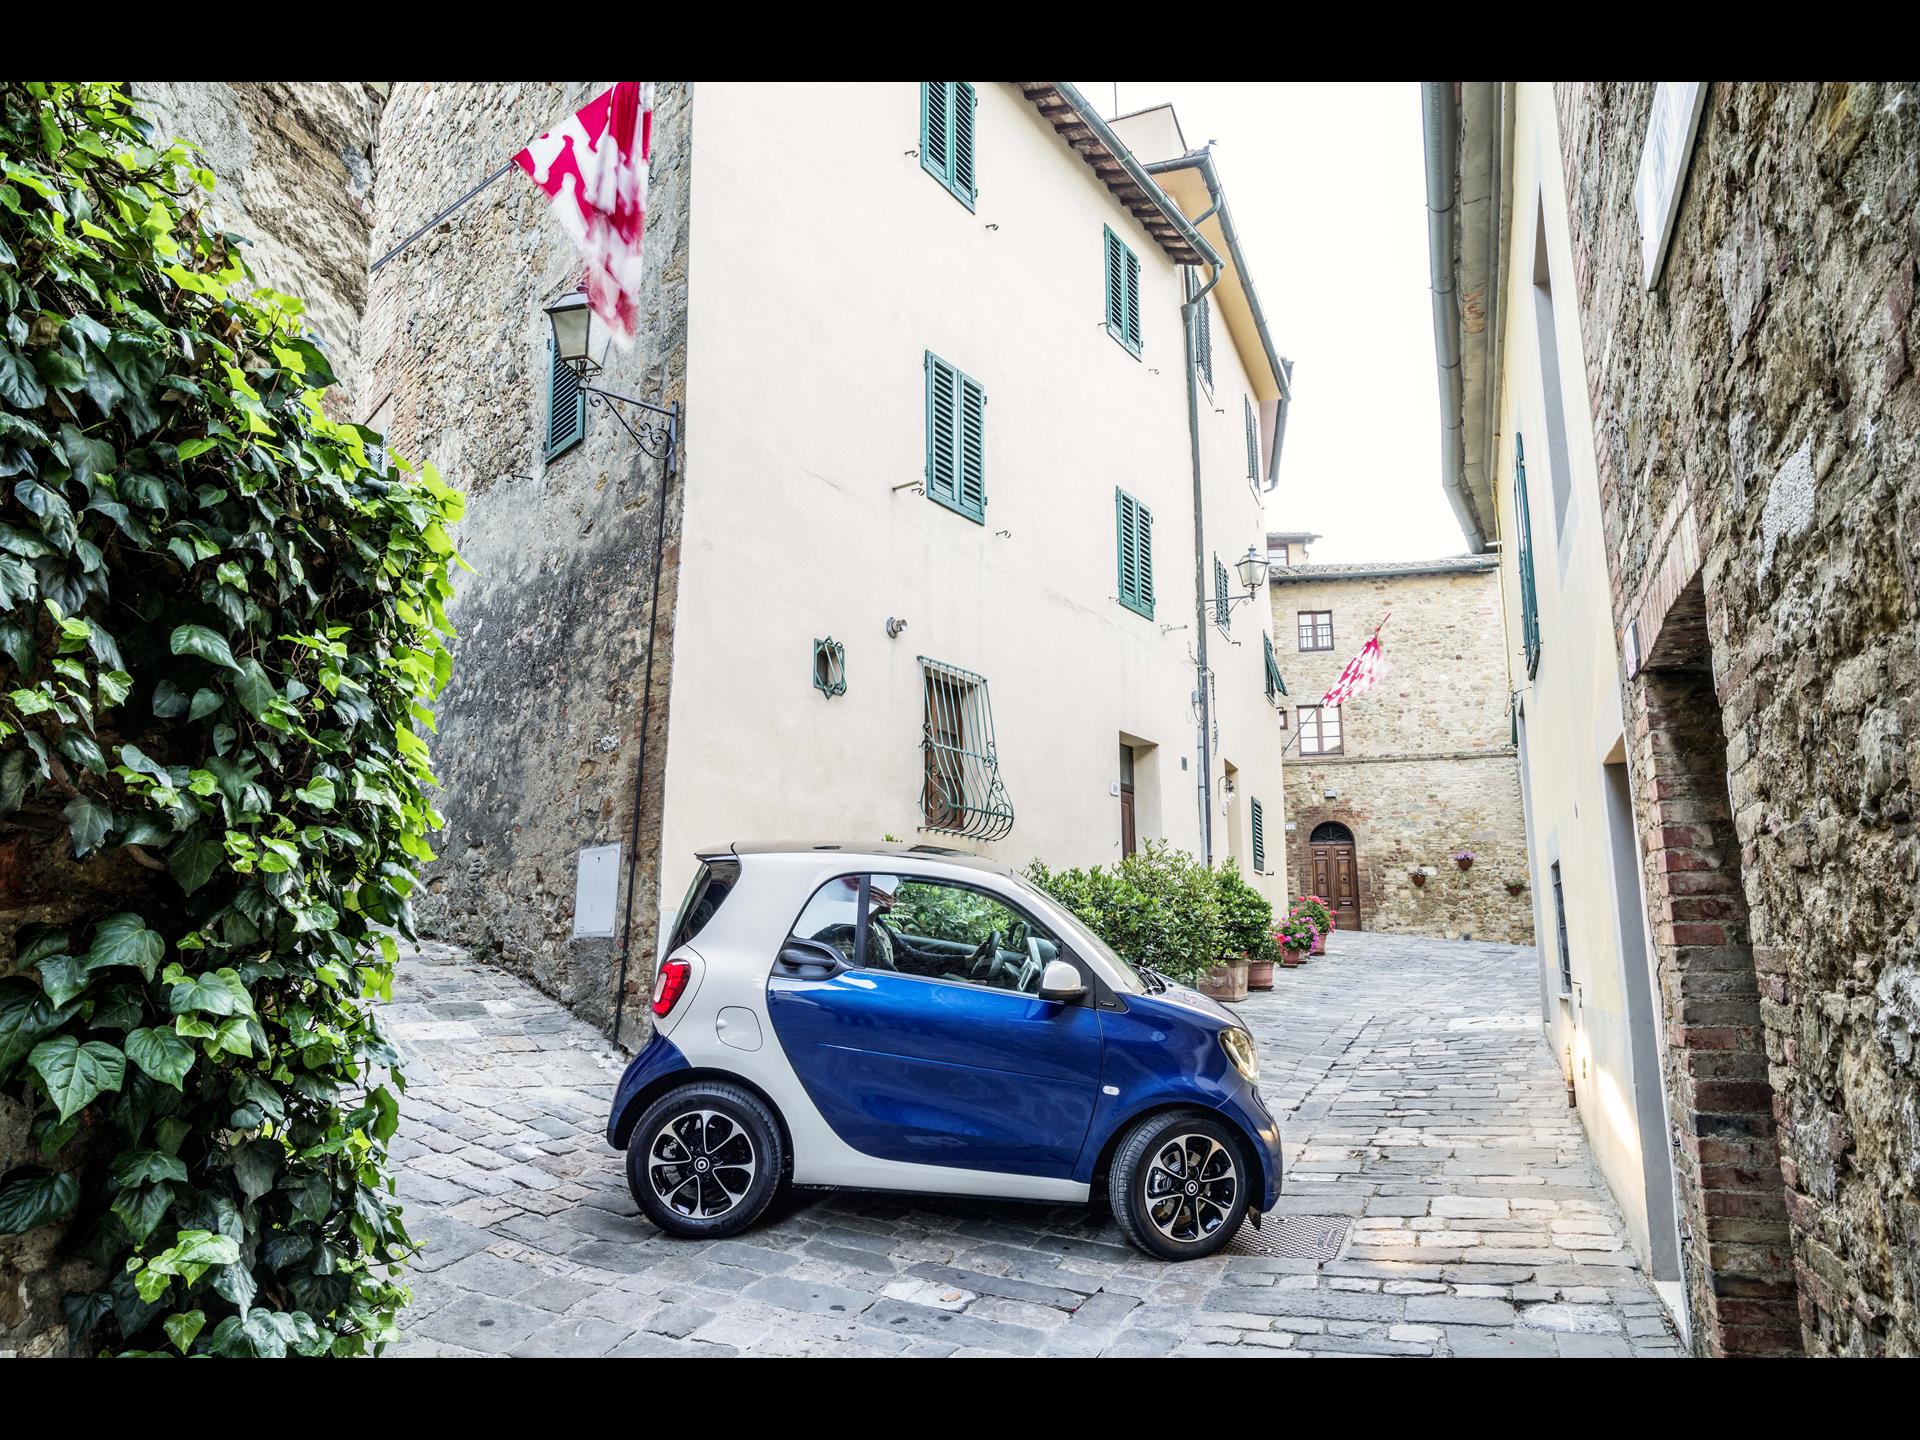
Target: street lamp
(1253,569)
(576,339)
(582,345)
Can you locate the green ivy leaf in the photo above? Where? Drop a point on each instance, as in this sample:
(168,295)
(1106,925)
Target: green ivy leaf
(141,1208)
(32,1197)
(199,641)
(27,1016)
(88,821)
(254,690)
(161,1054)
(319,794)
(124,939)
(193,865)
(77,1073)
(219,992)
(63,977)
(184,1328)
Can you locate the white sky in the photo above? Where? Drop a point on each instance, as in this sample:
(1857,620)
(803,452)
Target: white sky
(1336,237)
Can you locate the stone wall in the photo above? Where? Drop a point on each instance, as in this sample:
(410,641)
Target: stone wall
(294,160)
(1758,440)
(1428,767)
(536,749)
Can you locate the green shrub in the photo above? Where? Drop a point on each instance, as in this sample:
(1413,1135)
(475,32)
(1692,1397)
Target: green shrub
(219,629)
(1160,908)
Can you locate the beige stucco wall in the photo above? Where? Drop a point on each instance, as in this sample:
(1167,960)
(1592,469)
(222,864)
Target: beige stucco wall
(1571,708)
(824,264)
(1427,767)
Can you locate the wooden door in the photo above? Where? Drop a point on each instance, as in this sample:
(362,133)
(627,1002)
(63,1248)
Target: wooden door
(1336,880)
(1127,842)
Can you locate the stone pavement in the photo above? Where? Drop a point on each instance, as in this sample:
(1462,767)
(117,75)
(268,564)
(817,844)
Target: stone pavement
(1416,1098)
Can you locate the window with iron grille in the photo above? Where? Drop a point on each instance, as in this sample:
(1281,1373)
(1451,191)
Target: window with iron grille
(1222,608)
(1123,291)
(956,440)
(1133,527)
(948,114)
(1259,841)
(1320,730)
(1276,686)
(566,405)
(1560,924)
(1316,629)
(1529,606)
(961,789)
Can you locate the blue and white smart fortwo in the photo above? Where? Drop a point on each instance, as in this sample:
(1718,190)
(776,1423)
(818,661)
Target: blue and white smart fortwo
(884,1017)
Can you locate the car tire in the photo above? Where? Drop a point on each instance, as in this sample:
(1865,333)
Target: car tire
(1180,1184)
(705,1160)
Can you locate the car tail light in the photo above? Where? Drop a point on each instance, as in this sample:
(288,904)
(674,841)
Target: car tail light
(670,984)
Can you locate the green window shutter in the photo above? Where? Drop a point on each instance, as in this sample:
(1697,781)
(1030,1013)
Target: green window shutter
(1529,605)
(1276,685)
(964,104)
(566,405)
(956,440)
(1221,609)
(1123,291)
(1253,440)
(1259,840)
(1206,339)
(947,127)
(1133,530)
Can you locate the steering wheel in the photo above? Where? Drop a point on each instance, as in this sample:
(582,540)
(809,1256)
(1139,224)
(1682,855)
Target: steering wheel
(880,957)
(986,953)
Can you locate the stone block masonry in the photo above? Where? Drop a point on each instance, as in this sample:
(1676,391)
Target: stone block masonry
(1427,767)
(1757,436)
(538,745)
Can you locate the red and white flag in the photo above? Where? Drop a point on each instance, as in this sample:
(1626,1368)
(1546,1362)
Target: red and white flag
(1363,672)
(593,166)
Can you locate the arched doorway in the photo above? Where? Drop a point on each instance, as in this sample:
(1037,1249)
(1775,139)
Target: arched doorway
(1333,871)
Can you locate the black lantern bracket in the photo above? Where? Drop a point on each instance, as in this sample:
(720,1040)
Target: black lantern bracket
(658,437)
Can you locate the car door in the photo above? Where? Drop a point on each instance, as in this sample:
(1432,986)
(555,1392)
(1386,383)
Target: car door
(928,1041)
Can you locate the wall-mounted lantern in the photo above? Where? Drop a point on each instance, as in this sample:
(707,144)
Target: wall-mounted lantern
(581,341)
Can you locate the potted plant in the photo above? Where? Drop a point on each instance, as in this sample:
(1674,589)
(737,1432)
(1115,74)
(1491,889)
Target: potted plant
(1514,887)
(1418,876)
(1295,936)
(1226,980)
(1463,858)
(1321,914)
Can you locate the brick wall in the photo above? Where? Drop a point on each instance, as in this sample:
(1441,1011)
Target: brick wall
(1428,767)
(1757,432)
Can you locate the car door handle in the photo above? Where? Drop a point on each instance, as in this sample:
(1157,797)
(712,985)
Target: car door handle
(810,960)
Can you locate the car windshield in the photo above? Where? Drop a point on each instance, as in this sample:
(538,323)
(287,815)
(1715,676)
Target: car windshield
(1123,976)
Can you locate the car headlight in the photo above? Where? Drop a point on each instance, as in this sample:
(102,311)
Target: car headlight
(1239,1047)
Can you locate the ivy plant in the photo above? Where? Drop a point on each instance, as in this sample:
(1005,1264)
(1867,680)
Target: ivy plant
(222,626)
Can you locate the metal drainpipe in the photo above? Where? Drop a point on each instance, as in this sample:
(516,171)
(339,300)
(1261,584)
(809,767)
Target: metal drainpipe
(1187,313)
(1442,136)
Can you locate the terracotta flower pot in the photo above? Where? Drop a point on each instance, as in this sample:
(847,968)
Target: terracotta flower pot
(1319,944)
(1292,959)
(1260,975)
(1419,878)
(1225,981)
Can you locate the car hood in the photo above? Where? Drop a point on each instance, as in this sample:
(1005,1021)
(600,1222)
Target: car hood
(1184,997)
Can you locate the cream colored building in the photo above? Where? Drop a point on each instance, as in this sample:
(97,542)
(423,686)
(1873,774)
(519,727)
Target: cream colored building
(1520,472)
(951,550)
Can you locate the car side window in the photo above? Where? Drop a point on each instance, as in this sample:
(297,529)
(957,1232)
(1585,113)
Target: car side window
(832,915)
(941,931)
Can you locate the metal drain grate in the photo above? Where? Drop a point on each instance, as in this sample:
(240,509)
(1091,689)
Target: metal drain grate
(1292,1237)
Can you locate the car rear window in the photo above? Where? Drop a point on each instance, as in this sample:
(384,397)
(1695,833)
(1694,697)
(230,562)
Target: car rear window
(705,896)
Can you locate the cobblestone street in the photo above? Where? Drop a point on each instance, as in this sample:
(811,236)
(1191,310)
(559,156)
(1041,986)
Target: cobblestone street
(1416,1097)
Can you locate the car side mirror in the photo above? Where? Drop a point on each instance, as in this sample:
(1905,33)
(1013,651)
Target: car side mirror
(1060,981)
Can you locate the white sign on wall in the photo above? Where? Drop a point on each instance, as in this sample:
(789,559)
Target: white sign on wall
(1663,167)
(595,889)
